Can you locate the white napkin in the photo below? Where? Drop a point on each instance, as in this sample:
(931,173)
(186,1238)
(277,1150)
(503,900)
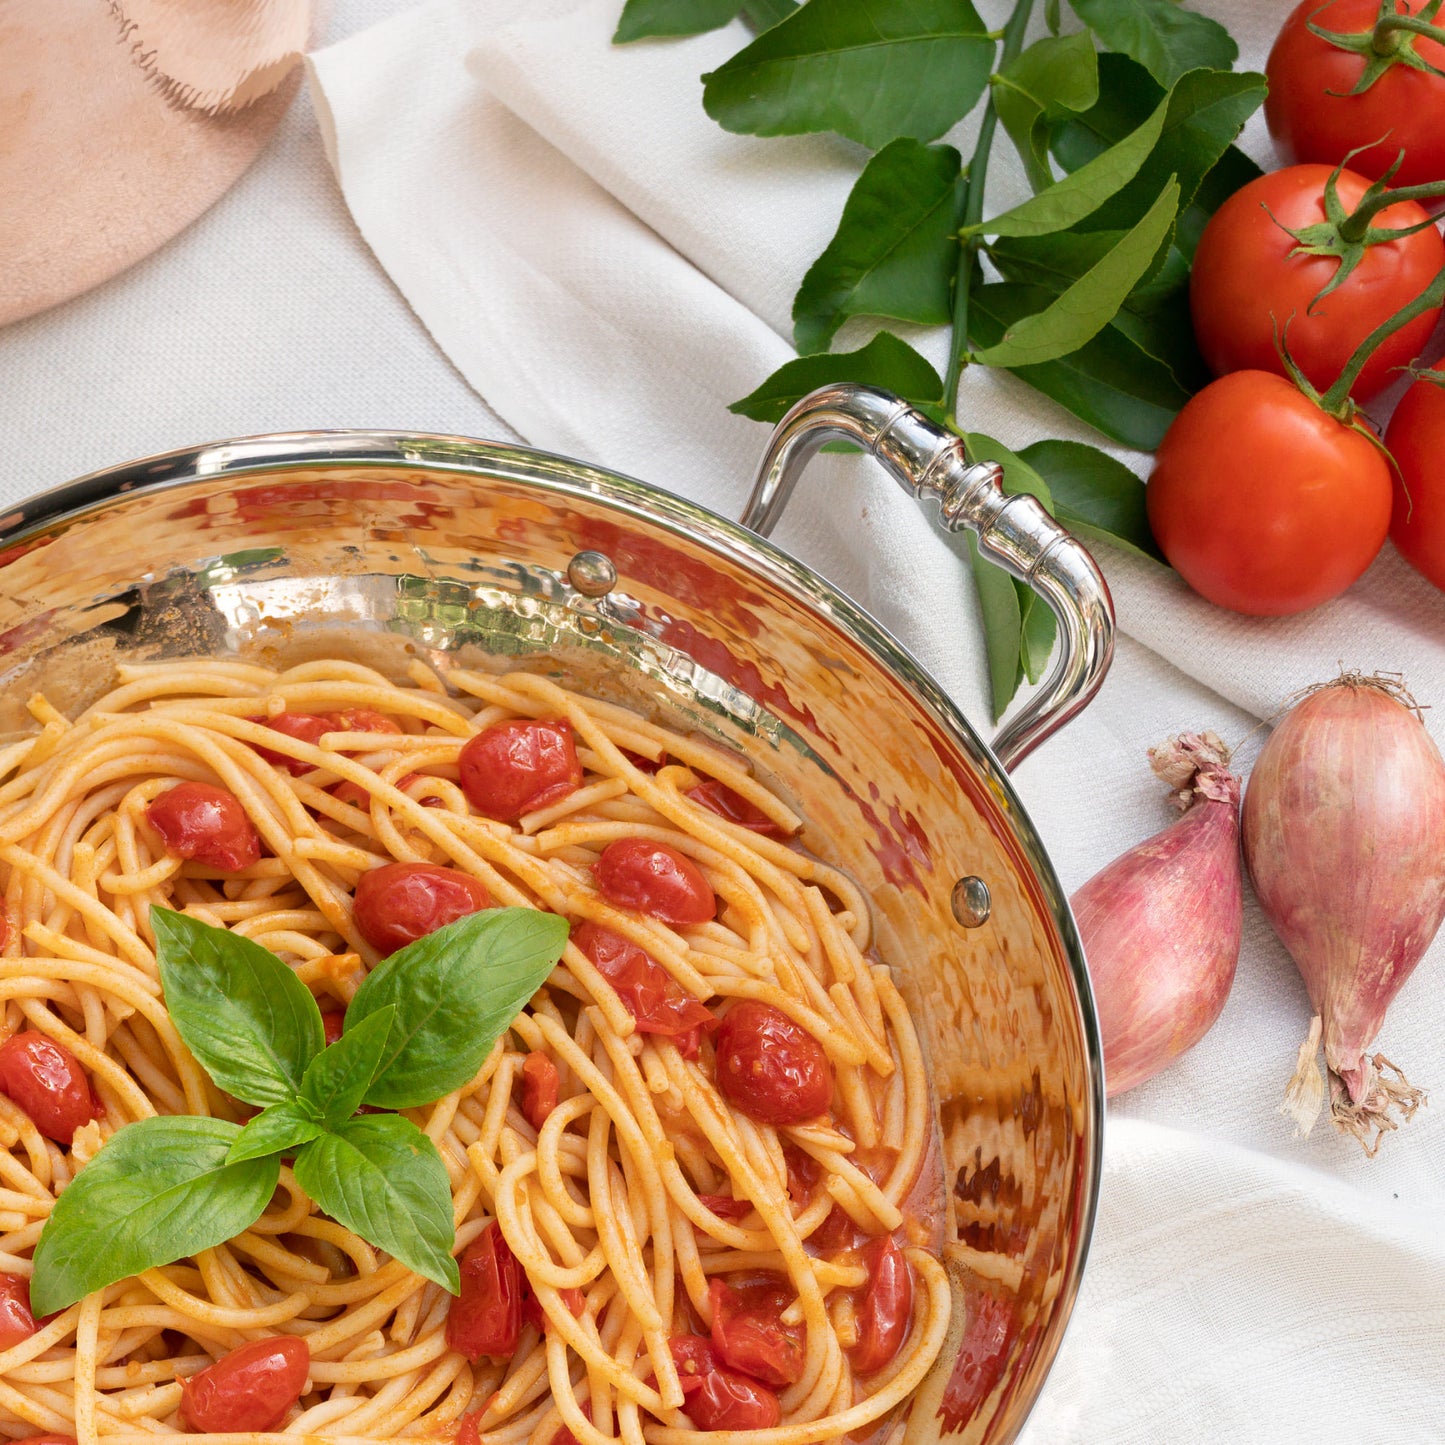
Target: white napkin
(609,269)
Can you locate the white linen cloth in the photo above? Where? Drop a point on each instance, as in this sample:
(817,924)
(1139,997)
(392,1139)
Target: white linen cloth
(609,269)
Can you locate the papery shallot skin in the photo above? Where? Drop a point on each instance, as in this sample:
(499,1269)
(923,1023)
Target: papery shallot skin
(1344,838)
(1161,925)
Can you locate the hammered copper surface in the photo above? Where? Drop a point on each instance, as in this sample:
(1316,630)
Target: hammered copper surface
(714,630)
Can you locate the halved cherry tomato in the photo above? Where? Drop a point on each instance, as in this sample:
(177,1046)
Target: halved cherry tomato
(1416,439)
(540,1083)
(306,727)
(364,720)
(16,1321)
(770,1067)
(347,791)
(45,1079)
(333,1024)
(206,823)
(837,1231)
(655,879)
(725,1206)
(748,1331)
(533,1313)
(518,766)
(803,1174)
(644,765)
(718,1398)
(886,1306)
(486,1318)
(718,798)
(250,1389)
(658,1003)
(400,902)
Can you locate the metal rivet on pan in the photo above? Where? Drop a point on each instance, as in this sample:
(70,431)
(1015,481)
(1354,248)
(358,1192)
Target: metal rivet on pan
(971,902)
(592,574)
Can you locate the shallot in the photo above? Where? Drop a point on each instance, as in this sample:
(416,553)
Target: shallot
(1161,925)
(1344,837)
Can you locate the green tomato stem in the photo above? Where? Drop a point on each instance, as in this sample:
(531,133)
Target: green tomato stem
(1388,32)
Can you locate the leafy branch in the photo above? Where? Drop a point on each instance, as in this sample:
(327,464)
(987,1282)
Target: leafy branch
(1125,128)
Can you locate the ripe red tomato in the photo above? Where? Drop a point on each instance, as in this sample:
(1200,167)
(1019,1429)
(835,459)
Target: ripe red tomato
(573,1300)
(486,1318)
(771,1068)
(540,1084)
(715,1397)
(307,727)
(749,1333)
(16,1321)
(725,1206)
(208,824)
(886,1305)
(45,1079)
(718,798)
(1247,287)
(655,879)
(364,720)
(1313,117)
(519,766)
(1416,439)
(1264,503)
(250,1389)
(400,902)
(658,1003)
(333,1025)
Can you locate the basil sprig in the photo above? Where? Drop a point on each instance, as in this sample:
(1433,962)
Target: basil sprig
(420,1026)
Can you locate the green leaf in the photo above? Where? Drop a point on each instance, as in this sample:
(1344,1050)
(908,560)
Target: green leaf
(761,14)
(885,361)
(1081,193)
(160,1190)
(895,249)
(1233,171)
(1203,113)
(382,1178)
(1161,35)
(1109,382)
(338,1078)
(871,70)
(999,606)
(455,993)
(274,1131)
(1095,495)
(644,18)
(1038,633)
(250,1022)
(1053,78)
(1082,311)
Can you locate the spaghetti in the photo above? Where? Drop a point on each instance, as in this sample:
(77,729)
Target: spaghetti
(697,1147)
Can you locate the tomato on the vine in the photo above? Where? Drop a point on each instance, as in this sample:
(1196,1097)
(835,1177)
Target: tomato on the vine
(1416,439)
(1254,284)
(1311,112)
(1262,501)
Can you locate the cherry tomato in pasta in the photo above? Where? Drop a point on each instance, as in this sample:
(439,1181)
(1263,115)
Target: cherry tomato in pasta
(836,1232)
(518,766)
(333,1024)
(655,999)
(725,1206)
(364,720)
(540,1083)
(655,879)
(401,902)
(564,1436)
(771,1067)
(486,1318)
(749,1333)
(885,1308)
(718,798)
(716,1397)
(573,1301)
(45,1079)
(250,1389)
(306,727)
(16,1321)
(650,766)
(207,824)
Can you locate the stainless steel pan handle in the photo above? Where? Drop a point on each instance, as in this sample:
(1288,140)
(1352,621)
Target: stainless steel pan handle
(1013,531)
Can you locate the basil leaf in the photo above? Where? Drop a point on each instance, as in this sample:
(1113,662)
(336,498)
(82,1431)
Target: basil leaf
(382,1178)
(1082,311)
(250,1022)
(160,1190)
(1095,495)
(644,18)
(885,361)
(1053,78)
(895,249)
(455,992)
(338,1077)
(1080,194)
(871,70)
(761,14)
(1161,35)
(275,1131)
(1109,382)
